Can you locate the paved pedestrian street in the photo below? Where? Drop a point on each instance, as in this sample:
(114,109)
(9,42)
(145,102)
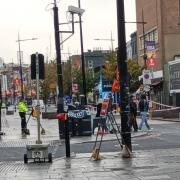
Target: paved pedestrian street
(144,165)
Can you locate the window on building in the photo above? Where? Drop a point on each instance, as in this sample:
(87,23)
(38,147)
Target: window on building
(150,36)
(133,48)
(142,42)
(156,36)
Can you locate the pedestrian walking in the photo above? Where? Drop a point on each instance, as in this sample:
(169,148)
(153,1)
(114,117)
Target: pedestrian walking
(133,114)
(22,113)
(143,108)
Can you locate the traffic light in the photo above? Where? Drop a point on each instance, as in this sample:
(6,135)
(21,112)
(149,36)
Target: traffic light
(41,66)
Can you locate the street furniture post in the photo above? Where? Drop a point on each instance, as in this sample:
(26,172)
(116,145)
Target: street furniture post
(124,89)
(60,102)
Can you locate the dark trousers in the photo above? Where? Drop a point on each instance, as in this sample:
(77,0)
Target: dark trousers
(23,120)
(133,122)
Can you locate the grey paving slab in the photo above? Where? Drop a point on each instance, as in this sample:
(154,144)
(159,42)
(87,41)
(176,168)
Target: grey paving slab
(156,177)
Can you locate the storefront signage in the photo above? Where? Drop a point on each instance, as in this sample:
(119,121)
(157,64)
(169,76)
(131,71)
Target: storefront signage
(174,76)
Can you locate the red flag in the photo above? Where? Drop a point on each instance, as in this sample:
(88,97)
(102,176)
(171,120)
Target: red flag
(115,85)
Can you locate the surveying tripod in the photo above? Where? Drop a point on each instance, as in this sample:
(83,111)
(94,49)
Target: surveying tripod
(34,114)
(115,128)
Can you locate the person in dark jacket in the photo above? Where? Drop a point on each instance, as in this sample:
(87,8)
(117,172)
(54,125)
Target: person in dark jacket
(133,114)
(143,108)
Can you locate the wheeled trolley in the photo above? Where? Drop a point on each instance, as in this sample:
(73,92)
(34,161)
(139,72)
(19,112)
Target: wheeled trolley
(38,152)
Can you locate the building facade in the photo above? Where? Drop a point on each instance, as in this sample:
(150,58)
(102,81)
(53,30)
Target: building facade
(11,83)
(131,47)
(161,24)
(94,61)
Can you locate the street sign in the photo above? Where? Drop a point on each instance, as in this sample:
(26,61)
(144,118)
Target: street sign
(146,88)
(147,77)
(174,76)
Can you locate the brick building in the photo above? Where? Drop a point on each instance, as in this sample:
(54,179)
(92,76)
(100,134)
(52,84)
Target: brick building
(162,19)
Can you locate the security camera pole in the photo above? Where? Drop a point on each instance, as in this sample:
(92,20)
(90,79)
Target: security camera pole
(60,102)
(82,56)
(122,66)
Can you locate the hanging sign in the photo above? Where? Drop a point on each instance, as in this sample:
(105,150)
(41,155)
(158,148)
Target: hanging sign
(151,62)
(150,45)
(147,77)
(152,59)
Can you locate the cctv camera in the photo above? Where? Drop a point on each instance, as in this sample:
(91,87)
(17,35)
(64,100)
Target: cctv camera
(76,10)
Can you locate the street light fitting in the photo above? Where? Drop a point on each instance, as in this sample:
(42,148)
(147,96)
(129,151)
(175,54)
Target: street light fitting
(34,38)
(26,39)
(20,61)
(75,10)
(136,22)
(97,39)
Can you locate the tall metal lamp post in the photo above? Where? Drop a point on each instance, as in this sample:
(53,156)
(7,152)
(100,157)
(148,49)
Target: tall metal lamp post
(20,61)
(82,57)
(60,103)
(144,41)
(124,89)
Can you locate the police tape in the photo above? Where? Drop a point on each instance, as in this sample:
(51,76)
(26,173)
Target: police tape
(164,106)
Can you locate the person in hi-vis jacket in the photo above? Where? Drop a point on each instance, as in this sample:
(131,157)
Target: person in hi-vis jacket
(22,113)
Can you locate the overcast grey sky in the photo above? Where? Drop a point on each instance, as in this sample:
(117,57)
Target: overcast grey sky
(34,18)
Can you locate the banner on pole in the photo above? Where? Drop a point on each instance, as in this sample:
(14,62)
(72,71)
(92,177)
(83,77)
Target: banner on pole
(151,62)
(152,59)
(150,45)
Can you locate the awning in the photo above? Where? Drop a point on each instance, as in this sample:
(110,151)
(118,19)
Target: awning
(156,83)
(157,74)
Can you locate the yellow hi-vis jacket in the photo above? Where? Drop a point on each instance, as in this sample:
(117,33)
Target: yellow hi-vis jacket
(22,107)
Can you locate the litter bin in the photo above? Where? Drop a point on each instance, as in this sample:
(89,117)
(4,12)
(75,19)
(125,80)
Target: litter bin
(85,126)
(80,123)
